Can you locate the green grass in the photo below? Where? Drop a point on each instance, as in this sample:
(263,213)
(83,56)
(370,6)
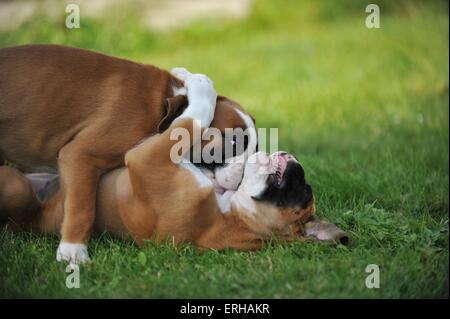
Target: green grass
(365,110)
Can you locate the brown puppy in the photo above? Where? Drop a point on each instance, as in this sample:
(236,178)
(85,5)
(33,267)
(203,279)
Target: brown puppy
(81,111)
(159,196)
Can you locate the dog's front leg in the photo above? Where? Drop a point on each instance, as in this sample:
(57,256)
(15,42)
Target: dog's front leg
(158,151)
(80,173)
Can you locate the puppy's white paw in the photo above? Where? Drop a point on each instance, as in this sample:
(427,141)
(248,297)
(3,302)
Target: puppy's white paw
(180,73)
(202,99)
(72,253)
(199,88)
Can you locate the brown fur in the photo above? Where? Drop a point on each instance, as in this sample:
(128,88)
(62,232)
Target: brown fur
(153,198)
(81,111)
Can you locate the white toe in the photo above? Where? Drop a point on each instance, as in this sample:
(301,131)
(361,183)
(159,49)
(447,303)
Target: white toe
(180,73)
(202,99)
(72,253)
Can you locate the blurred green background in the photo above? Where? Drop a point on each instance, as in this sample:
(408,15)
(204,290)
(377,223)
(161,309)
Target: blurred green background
(365,110)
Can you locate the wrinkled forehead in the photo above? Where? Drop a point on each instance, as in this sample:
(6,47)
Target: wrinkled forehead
(230,114)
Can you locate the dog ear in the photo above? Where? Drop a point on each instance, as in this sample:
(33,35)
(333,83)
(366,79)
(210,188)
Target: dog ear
(173,108)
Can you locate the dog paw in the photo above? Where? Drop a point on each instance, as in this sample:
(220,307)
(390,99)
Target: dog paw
(202,99)
(72,253)
(200,88)
(180,73)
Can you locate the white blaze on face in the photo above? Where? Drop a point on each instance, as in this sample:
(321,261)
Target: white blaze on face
(230,176)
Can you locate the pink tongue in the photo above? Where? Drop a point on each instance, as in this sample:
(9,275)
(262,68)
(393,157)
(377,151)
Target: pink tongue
(220,189)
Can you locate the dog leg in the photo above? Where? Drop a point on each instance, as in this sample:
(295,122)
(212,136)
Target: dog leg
(201,98)
(18,202)
(200,93)
(156,150)
(79,178)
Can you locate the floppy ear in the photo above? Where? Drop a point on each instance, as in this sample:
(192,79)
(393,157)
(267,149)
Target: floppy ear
(174,106)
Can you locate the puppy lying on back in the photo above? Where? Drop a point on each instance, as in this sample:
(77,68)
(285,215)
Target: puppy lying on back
(159,196)
(80,111)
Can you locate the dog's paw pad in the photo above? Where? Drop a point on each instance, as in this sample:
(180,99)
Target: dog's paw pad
(72,253)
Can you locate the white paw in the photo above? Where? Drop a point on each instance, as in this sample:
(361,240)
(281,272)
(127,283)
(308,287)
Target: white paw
(200,87)
(72,253)
(180,73)
(202,99)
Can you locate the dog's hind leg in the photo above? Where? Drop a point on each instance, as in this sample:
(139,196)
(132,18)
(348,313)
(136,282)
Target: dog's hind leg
(18,201)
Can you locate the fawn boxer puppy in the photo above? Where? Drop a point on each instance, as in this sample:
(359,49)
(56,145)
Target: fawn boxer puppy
(160,195)
(80,111)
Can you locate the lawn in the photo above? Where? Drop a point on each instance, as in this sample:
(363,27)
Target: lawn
(366,112)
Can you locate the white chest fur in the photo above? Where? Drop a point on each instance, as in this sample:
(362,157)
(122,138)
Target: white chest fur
(223,200)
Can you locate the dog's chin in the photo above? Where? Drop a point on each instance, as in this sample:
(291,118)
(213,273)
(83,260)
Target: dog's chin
(229,177)
(220,185)
(224,177)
